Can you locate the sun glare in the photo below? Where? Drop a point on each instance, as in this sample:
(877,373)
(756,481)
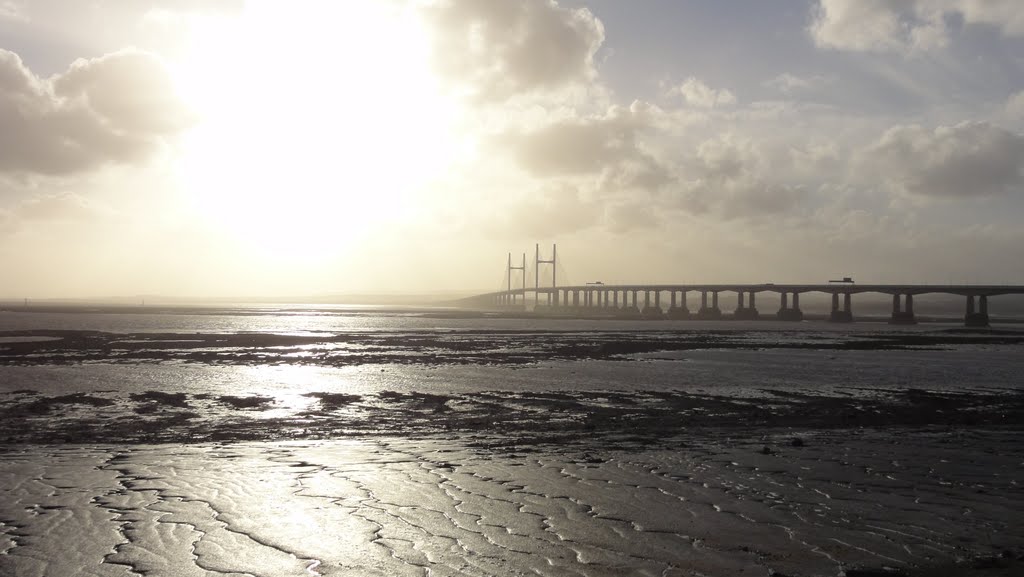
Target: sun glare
(319,121)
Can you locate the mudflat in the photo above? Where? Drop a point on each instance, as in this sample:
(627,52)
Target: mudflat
(511,453)
(828,503)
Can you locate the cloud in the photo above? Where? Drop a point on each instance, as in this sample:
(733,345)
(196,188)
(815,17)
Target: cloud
(11,11)
(551,210)
(906,26)
(790,83)
(732,178)
(1015,106)
(608,146)
(114,109)
(39,213)
(66,207)
(969,159)
(497,50)
(1006,15)
(696,93)
(875,26)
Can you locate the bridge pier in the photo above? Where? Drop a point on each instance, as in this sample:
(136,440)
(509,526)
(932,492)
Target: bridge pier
(841,315)
(904,316)
(787,313)
(979,318)
(709,312)
(678,311)
(652,311)
(628,311)
(745,313)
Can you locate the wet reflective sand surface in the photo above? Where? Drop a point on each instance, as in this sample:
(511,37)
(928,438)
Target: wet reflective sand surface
(482,450)
(818,506)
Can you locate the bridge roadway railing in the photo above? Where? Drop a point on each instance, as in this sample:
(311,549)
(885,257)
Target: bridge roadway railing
(645,300)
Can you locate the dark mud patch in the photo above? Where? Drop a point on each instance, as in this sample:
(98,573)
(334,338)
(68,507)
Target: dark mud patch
(246,403)
(159,398)
(643,417)
(46,405)
(329,401)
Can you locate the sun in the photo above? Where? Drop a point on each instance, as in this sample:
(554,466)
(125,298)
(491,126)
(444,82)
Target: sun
(320,121)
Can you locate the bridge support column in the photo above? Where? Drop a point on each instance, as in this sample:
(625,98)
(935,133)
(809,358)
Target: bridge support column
(841,315)
(647,309)
(745,313)
(904,316)
(630,308)
(709,312)
(788,313)
(679,311)
(980,318)
(652,310)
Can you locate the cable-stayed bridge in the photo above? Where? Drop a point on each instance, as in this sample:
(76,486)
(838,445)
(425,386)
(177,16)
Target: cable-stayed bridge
(673,301)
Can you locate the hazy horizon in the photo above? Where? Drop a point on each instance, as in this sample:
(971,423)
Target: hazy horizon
(251,147)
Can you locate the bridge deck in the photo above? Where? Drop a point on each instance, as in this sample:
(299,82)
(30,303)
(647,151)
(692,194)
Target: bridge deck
(830,288)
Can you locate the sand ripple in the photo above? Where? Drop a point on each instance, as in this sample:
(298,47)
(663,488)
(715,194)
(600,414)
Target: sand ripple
(433,507)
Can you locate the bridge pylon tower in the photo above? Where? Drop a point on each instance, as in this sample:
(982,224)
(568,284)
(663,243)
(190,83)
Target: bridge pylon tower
(508,273)
(536,276)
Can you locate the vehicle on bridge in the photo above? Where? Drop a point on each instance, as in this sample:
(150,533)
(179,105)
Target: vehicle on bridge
(845,279)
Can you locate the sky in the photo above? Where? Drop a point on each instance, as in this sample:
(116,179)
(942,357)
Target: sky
(223,148)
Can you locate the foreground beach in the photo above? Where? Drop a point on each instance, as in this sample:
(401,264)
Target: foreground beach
(493,453)
(845,502)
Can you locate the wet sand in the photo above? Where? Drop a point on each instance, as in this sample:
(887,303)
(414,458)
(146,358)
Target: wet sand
(859,503)
(640,480)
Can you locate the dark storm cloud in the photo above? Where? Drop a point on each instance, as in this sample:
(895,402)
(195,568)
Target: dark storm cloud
(969,159)
(497,50)
(114,109)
